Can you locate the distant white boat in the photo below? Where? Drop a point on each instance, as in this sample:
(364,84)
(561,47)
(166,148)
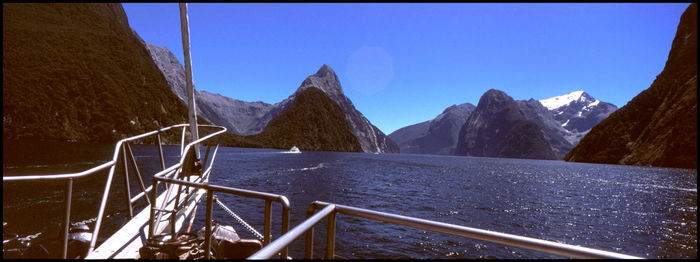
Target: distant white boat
(294,149)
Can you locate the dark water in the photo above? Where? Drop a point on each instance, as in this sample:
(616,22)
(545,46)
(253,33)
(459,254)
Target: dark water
(642,211)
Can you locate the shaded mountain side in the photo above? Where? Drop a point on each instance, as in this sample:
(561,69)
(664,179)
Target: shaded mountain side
(553,132)
(370,137)
(407,133)
(524,140)
(497,128)
(658,127)
(435,136)
(76,72)
(311,122)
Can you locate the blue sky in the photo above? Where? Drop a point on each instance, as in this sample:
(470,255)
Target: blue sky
(401,64)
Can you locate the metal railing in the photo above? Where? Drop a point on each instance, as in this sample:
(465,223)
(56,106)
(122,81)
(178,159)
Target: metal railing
(122,144)
(210,189)
(175,170)
(329,210)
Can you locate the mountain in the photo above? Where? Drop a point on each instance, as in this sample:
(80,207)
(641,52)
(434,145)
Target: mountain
(578,111)
(77,72)
(240,117)
(371,138)
(497,128)
(435,136)
(658,127)
(237,116)
(311,122)
(563,121)
(246,118)
(556,135)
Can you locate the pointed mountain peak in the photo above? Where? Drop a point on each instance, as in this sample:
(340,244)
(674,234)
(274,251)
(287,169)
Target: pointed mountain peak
(324,70)
(326,80)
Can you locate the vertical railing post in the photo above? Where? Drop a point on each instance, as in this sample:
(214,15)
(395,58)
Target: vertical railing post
(309,247)
(66,222)
(330,236)
(152,220)
(207,230)
(206,156)
(160,152)
(268,223)
(127,190)
(177,197)
(173,232)
(138,173)
(182,141)
(285,229)
(103,203)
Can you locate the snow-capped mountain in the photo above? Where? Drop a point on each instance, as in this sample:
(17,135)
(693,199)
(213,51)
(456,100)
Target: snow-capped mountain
(563,121)
(559,101)
(578,111)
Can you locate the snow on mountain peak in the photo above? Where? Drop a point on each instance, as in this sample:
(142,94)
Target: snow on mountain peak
(559,101)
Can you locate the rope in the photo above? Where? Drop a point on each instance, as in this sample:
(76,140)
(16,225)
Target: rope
(250,228)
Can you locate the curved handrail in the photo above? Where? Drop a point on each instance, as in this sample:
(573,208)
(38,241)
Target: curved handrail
(111,165)
(97,168)
(98,223)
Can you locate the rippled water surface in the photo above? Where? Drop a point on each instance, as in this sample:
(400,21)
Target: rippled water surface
(641,211)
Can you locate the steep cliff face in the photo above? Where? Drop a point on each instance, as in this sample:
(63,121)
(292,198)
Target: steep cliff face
(170,67)
(555,134)
(311,122)
(77,72)
(370,137)
(497,128)
(658,127)
(435,136)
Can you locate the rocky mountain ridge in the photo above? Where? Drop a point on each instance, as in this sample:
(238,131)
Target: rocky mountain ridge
(247,118)
(575,107)
(578,111)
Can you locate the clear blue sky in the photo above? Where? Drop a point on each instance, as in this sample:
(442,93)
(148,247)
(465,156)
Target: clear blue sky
(401,64)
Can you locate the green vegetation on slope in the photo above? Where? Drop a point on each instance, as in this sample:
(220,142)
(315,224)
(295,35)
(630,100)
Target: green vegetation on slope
(77,72)
(312,122)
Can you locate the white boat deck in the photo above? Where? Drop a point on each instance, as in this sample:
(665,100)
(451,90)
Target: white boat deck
(126,242)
